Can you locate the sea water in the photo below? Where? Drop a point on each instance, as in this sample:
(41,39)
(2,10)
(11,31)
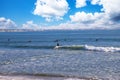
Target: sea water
(82,53)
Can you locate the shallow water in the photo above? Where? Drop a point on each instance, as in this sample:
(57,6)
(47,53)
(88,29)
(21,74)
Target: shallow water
(79,53)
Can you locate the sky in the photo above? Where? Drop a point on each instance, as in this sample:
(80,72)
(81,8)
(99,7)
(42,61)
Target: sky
(59,14)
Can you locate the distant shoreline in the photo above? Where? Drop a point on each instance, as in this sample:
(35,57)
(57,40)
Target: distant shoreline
(38,30)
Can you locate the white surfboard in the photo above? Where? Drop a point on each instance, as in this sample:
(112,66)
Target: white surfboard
(56,47)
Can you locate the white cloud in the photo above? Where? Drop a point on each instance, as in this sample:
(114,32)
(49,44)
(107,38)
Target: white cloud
(110,7)
(94,2)
(51,9)
(81,26)
(55,9)
(81,17)
(87,17)
(80,3)
(108,19)
(93,21)
(30,25)
(7,23)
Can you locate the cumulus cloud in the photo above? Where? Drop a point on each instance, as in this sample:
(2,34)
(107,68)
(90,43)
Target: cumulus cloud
(87,17)
(80,3)
(81,17)
(93,21)
(81,26)
(109,18)
(94,2)
(7,23)
(30,25)
(110,7)
(51,9)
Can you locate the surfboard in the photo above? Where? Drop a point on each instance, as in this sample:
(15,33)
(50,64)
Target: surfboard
(56,47)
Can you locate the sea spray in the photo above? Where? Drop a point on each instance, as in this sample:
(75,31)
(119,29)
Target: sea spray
(105,49)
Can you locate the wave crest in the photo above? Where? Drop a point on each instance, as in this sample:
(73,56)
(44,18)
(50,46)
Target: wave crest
(71,47)
(90,48)
(105,49)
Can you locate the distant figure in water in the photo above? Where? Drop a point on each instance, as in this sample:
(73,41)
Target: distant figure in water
(65,39)
(29,41)
(96,40)
(8,39)
(56,40)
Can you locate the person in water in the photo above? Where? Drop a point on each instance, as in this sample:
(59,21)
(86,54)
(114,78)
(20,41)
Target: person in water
(8,39)
(96,40)
(29,41)
(58,44)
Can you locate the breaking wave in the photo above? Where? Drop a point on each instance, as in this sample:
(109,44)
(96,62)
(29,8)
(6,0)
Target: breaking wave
(105,49)
(71,47)
(90,48)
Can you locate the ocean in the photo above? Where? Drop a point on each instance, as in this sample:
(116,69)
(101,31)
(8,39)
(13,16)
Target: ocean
(81,53)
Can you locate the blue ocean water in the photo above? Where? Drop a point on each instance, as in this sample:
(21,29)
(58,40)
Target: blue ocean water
(86,53)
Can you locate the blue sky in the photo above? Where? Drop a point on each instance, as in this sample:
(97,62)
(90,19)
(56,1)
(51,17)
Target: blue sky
(25,13)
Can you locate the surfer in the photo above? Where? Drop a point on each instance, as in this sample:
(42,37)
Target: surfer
(29,41)
(96,40)
(58,44)
(8,39)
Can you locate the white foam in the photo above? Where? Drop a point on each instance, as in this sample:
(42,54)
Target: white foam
(25,77)
(105,49)
(74,79)
(90,48)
